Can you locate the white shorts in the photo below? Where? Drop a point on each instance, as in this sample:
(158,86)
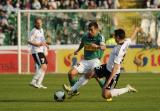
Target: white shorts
(85,65)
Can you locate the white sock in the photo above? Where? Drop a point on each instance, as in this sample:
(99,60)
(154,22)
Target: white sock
(80,82)
(85,82)
(40,80)
(117,92)
(37,74)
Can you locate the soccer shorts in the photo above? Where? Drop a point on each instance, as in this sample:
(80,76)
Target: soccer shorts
(40,58)
(85,65)
(102,71)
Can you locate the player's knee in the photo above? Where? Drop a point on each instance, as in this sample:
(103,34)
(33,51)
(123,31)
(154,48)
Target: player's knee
(106,94)
(72,72)
(44,67)
(90,74)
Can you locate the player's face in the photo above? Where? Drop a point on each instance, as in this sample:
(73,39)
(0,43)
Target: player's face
(93,31)
(116,39)
(38,23)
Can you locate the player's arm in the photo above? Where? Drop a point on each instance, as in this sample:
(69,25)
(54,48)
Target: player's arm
(102,45)
(134,35)
(114,70)
(37,44)
(117,64)
(79,48)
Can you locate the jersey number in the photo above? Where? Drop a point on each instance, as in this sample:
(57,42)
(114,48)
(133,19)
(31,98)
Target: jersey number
(42,60)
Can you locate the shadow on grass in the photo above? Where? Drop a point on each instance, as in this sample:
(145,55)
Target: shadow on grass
(49,101)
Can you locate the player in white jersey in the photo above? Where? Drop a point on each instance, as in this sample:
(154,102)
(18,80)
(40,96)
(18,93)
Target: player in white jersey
(39,53)
(111,70)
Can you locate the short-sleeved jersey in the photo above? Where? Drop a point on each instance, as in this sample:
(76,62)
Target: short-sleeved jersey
(89,51)
(117,55)
(37,35)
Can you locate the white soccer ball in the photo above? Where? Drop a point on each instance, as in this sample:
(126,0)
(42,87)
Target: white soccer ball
(59,96)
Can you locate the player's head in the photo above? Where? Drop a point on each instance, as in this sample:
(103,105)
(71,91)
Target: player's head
(93,28)
(119,35)
(38,23)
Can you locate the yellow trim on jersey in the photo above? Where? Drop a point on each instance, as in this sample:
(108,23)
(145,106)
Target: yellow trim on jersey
(89,48)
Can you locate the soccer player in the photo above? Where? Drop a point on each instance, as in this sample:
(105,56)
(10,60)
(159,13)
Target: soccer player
(111,70)
(39,50)
(94,45)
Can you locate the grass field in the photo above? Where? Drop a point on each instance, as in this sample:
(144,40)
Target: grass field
(17,95)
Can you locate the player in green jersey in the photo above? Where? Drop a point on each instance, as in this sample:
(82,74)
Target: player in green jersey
(94,45)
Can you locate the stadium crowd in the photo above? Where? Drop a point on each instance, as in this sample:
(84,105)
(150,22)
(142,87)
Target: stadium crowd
(8,21)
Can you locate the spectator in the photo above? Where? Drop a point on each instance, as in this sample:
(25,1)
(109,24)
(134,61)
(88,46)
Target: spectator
(148,28)
(52,4)
(116,4)
(157,3)
(48,36)
(2,36)
(73,4)
(9,6)
(158,22)
(44,4)
(27,5)
(36,5)
(3,18)
(92,4)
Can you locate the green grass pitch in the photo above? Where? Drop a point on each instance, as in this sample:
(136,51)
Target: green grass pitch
(17,95)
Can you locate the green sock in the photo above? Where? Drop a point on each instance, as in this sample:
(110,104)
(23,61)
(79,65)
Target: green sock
(72,80)
(100,82)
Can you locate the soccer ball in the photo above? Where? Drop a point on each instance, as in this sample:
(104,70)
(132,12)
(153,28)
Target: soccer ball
(59,96)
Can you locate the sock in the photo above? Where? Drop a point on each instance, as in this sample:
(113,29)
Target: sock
(100,82)
(117,92)
(37,74)
(85,82)
(72,80)
(79,83)
(40,80)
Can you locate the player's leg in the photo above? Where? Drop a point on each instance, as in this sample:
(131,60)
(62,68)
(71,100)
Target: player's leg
(78,68)
(36,75)
(40,80)
(76,86)
(72,76)
(83,79)
(43,62)
(109,93)
(84,67)
(38,70)
(72,91)
(41,68)
(96,63)
(112,92)
(100,81)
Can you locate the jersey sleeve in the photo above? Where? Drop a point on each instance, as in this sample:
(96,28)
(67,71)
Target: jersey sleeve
(32,35)
(83,38)
(43,37)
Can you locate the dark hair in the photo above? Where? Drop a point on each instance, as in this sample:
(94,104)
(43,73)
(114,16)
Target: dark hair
(120,33)
(37,18)
(93,23)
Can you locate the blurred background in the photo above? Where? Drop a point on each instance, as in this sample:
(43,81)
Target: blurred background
(65,28)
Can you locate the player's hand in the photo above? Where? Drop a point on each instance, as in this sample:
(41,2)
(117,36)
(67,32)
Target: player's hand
(75,52)
(102,47)
(47,46)
(94,45)
(138,29)
(44,44)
